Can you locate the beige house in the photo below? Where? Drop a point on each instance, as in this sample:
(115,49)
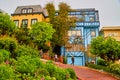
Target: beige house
(113,31)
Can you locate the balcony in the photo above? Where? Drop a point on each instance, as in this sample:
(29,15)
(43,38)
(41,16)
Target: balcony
(88,24)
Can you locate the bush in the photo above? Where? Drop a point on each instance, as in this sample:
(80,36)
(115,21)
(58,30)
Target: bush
(9,44)
(27,64)
(72,73)
(115,68)
(7,73)
(99,67)
(101,62)
(24,50)
(50,68)
(42,71)
(64,60)
(4,55)
(59,73)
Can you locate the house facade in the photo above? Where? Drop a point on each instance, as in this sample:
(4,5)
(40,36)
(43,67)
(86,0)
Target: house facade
(87,27)
(112,31)
(28,15)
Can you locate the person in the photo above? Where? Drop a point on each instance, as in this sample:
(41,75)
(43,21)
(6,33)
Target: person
(56,57)
(41,53)
(72,58)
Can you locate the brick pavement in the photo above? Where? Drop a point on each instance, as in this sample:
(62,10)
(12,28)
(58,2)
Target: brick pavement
(85,73)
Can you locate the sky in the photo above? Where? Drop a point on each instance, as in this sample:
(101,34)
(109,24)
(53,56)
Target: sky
(109,10)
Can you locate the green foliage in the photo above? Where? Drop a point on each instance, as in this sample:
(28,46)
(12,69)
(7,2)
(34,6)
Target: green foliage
(8,43)
(50,68)
(61,23)
(58,73)
(51,10)
(41,32)
(7,73)
(22,36)
(99,67)
(108,49)
(64,60)
(4,55)
(26,64)
(72,73)
(7,26)
(24,50)
(101,62)
(42,71)
(115,68)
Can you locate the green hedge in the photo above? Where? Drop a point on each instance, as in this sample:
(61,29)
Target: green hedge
(4,55)
(115,68)
(24,50)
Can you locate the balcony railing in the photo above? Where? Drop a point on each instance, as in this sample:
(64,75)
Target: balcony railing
(88,24)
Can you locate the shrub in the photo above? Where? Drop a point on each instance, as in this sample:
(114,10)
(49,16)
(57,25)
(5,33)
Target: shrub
(9,43)
(4,55)
(7,73)
(64,60)
(99,67)
(61,74)
(58,73)
(42,71)
(50,68)
(27,64)
(24,50)
(115,68)
(72,73)
(101,62)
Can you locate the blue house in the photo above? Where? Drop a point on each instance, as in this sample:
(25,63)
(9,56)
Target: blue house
(87,27)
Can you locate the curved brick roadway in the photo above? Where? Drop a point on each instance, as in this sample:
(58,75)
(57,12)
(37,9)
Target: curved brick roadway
(85,73)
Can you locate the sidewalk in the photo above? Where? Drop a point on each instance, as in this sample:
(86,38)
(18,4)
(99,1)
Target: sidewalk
(85,73)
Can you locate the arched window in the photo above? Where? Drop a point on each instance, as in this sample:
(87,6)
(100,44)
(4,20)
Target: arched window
(30,10)
(24,10)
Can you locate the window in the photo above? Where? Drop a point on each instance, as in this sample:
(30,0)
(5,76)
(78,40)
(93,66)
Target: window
(30,10)
(24,10)
(56,14)
(91,17)
(33,21)
(74,33)
(16,22)
(72,13)
(24,23)
(112,34)
(81,18)
(93,34)
(77,13)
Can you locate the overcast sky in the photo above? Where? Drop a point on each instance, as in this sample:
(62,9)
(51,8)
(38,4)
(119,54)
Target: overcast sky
(109,10)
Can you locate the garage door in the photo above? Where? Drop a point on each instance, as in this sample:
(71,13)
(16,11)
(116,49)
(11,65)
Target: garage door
(78,60)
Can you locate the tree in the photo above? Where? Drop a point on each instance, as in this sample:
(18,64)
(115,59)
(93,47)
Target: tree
(61,23)
(22,35)
(41,32)
(7,26)
(108,49)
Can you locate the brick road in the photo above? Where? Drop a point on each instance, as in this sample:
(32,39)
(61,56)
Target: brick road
(85,73)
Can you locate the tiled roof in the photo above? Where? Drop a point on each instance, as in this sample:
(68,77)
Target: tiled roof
(110,28)
(1,11)
(36,9)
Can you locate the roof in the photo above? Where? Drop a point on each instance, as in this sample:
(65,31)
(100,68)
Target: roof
(110,28)
(36,9)
(82,10)
(85,9)
(2,11)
